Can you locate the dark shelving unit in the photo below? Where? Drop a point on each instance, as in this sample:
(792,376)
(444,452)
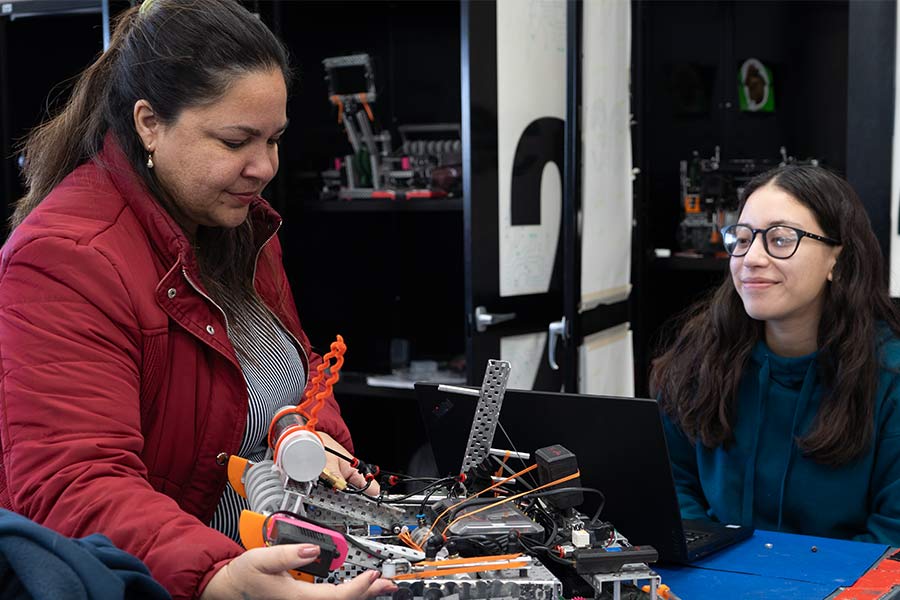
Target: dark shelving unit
(379,205)
(21,9)
(375,271)
(354,384)
(684,263)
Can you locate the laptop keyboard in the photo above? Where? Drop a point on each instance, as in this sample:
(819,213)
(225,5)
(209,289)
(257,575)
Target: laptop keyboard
(692,537)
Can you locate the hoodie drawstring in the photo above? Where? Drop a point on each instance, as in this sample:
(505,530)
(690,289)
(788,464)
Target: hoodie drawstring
(750,471)
(806,391)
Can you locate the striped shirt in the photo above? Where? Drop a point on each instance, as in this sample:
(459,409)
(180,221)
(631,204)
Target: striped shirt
(275,378)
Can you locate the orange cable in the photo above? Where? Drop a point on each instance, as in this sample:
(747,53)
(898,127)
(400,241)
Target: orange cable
(407,539)
(319,387)
(514,497)
(498,484)
(339,347)
(503,462)
(459,570)
(468,559)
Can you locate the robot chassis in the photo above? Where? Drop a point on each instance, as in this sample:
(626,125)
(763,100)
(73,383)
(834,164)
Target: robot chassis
(286,486)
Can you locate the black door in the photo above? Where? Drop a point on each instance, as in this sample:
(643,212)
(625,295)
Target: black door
(513,151)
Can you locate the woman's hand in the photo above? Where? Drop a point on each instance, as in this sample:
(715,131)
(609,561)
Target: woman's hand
(338,466)
(263,573)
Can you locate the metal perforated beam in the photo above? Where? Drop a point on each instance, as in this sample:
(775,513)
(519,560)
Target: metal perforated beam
(487,414)
(358,508)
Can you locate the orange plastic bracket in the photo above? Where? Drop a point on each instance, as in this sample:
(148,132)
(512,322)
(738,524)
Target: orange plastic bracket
(237,466)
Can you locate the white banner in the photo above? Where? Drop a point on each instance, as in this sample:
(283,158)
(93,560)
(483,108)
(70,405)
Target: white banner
(531,85)
(524,355)
(606,153)
(606,364)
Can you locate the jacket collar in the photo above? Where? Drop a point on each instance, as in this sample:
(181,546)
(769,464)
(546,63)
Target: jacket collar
(164,233)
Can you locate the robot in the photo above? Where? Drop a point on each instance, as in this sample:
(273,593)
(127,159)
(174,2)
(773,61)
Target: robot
(481,533)
(426,165)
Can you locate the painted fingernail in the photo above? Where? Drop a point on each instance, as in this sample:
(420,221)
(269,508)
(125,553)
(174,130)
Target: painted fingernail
(307,550)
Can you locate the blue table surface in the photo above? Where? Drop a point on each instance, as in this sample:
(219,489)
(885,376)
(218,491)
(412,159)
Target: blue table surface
(774,565)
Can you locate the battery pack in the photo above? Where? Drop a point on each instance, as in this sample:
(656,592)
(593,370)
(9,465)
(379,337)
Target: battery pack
(333,547)
(555,462)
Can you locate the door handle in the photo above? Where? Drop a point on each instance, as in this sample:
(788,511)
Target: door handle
(484,319)
(556,330)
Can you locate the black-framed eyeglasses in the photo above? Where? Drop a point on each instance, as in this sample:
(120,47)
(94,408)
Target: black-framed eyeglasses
(780,241)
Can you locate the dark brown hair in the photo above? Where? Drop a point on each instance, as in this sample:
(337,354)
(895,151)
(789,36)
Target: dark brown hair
(176,54)
(698,376)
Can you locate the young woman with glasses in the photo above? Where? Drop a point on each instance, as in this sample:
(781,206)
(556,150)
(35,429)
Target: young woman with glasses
(781,391)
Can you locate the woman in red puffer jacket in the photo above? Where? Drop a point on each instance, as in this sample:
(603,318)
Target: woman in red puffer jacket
(147,330)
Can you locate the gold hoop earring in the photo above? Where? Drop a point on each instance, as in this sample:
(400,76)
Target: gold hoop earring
(150,160)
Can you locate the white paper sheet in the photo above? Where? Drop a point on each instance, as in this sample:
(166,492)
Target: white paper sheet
(606,153)
(606,363)
(531,84)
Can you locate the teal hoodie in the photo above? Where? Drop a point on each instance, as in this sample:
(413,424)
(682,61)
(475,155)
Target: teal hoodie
(762,479)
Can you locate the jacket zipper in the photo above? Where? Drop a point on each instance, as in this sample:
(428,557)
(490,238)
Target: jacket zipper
(213,302)
(266,306)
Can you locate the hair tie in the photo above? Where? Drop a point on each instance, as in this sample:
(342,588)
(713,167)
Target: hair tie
(145,6)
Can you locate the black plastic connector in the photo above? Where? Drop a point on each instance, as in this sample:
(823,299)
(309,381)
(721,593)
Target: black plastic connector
(609,560)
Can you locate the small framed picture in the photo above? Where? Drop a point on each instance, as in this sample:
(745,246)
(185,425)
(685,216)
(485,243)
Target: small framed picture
(756,87)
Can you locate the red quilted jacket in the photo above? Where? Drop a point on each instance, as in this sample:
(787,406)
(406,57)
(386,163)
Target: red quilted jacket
(119,387)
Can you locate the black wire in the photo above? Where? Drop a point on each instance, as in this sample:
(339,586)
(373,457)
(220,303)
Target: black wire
(403,477)
(400,478)
(553,492)
(550,522)
(338,454)
(555,531)
(556,558)
(355,490)
(534,548)
(513,446)
(427,496)
(434,484)
(350,489)
(487,544)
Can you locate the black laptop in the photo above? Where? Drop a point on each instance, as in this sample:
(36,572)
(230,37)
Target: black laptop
(620,447)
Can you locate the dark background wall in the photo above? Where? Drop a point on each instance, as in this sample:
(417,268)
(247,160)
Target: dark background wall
(378,276)
(35,76)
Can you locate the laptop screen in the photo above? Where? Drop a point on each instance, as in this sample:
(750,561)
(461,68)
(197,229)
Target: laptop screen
(619,444)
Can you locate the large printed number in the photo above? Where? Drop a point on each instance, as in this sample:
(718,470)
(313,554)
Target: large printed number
(543,141)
